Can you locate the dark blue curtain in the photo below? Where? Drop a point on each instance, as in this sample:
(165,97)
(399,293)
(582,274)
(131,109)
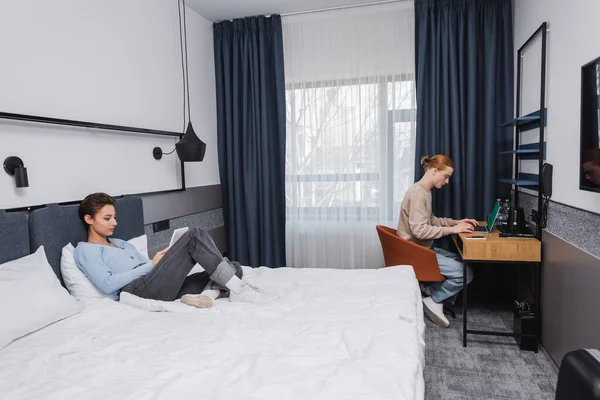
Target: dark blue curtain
(464,56)
(251,137)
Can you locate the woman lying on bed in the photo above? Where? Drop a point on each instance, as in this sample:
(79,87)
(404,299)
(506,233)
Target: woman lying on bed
(114,265)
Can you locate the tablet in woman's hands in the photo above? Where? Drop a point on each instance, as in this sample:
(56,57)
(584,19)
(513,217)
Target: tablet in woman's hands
(177,234)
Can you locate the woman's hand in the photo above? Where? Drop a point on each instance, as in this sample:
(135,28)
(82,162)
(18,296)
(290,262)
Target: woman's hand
(158,256)
(462,227)
(470,221)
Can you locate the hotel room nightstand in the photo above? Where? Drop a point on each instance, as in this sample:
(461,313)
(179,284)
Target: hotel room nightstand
(498,249)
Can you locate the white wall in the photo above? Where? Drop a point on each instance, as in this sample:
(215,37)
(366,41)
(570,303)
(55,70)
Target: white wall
(108,61)
(572,42)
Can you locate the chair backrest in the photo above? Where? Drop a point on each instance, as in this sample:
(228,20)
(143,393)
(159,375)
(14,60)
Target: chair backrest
(397,251)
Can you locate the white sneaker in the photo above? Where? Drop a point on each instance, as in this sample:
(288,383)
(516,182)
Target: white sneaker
(435,311)
(252,294)
(197,300)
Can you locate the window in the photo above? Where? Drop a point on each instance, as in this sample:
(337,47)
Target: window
(350,147)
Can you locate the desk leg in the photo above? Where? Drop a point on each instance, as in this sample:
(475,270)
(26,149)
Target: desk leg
(538,301)
(464,289)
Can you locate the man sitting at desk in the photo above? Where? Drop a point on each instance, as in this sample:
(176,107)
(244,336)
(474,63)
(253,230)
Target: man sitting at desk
(420,226)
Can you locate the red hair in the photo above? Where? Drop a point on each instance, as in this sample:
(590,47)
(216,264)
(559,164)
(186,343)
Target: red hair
(438,161)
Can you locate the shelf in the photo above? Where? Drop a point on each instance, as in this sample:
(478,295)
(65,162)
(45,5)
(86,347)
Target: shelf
(527,151)
(519,182)
(524,180)
(527,122)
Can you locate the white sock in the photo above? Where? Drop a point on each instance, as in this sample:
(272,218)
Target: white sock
(234,284)
(212,290)
(212,293)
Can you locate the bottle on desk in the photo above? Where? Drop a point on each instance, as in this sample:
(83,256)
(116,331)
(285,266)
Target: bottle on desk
(503,211)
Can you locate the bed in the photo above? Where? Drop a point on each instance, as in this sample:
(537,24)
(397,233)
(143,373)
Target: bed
(332,334)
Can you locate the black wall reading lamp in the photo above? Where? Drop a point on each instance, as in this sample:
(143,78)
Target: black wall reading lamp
(14,167)
(190,148)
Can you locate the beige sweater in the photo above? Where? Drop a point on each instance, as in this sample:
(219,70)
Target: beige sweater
(417,223)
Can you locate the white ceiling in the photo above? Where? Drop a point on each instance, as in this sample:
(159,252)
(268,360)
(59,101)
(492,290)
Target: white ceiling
(219,10)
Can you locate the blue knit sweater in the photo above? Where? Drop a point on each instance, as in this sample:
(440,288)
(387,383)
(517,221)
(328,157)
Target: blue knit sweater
(111,268)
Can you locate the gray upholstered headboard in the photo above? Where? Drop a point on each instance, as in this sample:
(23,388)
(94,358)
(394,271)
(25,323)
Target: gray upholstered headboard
(54,226)
(14,236)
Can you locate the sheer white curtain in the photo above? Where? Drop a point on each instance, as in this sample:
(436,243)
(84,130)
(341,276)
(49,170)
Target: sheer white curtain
(351,113)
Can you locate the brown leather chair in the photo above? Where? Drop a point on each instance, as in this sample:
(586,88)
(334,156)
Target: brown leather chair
(398,251)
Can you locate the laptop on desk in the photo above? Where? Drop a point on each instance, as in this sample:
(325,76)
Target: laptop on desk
(491,221)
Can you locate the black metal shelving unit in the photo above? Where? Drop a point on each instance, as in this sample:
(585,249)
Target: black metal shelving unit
(533,151)
(522,123)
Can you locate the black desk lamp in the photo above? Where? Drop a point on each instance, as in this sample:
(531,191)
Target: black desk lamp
(190,148)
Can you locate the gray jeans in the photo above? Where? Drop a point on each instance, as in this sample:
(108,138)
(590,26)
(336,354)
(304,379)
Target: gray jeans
(169,281)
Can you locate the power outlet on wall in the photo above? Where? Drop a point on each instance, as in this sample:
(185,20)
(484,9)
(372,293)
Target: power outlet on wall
(534,216)
(160,226)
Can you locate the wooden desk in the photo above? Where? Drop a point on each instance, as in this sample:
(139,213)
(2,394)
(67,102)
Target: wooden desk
(498,249)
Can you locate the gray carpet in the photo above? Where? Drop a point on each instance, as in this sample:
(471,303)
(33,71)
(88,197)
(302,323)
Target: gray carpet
(489,368)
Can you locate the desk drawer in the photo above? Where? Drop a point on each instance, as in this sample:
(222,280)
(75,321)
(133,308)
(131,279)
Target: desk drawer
(527,250)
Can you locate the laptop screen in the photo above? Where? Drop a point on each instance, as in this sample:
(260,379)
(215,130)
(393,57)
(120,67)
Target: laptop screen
(492,217)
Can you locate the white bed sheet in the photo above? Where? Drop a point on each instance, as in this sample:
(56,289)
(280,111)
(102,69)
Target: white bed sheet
(333,334)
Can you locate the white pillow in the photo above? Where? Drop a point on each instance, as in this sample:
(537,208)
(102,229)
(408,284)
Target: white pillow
(75,280)
(141,244)
(31,297)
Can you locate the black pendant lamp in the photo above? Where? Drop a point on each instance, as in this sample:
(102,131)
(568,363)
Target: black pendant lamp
(190,148)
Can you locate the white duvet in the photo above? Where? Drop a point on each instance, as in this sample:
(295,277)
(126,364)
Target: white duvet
(333,334)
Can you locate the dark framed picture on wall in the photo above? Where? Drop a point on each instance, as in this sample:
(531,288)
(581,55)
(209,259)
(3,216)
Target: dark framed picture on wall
(589,171)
